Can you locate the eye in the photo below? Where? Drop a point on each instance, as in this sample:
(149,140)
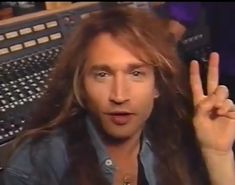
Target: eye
(137,73)
(101,74)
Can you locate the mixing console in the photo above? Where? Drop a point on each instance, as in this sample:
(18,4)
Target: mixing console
(29,46)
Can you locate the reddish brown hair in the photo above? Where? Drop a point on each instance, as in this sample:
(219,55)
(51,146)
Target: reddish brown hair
(170,126)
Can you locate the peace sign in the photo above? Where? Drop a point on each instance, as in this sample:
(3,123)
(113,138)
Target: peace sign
(214,118)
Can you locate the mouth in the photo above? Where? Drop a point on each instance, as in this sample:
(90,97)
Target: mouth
(119,113)
(120,117)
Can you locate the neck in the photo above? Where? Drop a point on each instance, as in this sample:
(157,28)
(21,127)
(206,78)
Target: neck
(128,147)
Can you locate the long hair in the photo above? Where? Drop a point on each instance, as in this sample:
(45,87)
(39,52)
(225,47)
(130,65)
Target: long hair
(169,128)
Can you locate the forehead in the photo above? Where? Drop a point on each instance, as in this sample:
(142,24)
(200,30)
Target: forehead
(105,49)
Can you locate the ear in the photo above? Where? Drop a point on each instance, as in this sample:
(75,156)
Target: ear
(156,93)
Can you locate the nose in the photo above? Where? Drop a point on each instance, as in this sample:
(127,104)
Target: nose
(119,90)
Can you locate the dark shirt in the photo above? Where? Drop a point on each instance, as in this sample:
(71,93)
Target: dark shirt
(52,160)
(141,174)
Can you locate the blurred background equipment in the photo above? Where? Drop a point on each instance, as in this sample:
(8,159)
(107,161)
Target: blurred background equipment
(21,8)
(208,27)
(56,5)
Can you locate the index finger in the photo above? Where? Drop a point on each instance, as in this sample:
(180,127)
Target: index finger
(213,73)
(195,82)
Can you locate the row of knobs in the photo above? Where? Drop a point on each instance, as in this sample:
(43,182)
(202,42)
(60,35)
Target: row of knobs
(28,65)
(8,129)
(23,81)
(26,88)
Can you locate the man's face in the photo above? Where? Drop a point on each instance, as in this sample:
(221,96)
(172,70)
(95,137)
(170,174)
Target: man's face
(119,88)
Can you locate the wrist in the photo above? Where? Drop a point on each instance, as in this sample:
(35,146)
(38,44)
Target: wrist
(206,152)
(220,164)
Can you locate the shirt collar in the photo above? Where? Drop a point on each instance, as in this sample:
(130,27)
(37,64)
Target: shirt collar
(97,142)
(100,147)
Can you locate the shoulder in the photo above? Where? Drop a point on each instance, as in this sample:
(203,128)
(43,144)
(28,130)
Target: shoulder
(48,155)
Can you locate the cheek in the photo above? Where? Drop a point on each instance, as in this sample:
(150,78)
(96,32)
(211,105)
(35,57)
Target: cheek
(145,92)
(146,100)
(144,97)
(95,96)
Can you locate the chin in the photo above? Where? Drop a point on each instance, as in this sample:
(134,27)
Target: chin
(120,134)
(117,137)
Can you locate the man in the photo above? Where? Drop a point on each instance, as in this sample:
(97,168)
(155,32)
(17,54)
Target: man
(95,125)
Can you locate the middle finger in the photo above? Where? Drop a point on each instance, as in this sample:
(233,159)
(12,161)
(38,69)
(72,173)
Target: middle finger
(213,73)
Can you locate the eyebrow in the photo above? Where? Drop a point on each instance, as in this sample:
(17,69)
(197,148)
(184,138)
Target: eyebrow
(130,67)
(101,67)
(137,66)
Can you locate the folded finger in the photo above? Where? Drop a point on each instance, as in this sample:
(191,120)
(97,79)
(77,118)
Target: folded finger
(221,93)
(227,106)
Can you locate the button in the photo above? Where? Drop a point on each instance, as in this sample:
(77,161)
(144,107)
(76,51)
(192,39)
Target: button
(38,89)
(51,24)
(12,98)
(12,34)
(21,95)
(16,47)
(6,89)
(22,83)
(4,102)
(12,106)
(1,37)
(21,102)
(43,40)
(67,19)
(108,162)
(25,31)
(4,51)
(30,43)
(25,99)
(2,110)
(39,27)
(55,36)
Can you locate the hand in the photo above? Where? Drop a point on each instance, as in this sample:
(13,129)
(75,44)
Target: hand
(214,118)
